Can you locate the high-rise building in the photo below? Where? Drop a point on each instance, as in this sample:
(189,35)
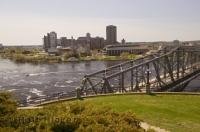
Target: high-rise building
(53,39)
(111,34)
(46,45)
(50,41)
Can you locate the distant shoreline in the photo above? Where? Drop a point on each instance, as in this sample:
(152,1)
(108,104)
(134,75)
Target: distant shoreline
(36,56)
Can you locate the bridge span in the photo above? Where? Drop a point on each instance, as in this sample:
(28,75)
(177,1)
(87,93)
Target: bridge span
(170,69)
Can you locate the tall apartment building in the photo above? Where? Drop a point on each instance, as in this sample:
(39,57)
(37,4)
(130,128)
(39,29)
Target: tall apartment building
(111,35)
(50,41)
(46,45)
(53,39)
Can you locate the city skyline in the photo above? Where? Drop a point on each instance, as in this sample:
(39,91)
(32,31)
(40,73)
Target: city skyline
(24,22)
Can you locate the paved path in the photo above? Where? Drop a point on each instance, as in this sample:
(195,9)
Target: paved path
(147,126)
(29,107)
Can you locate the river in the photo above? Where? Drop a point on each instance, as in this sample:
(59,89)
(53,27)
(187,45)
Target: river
(28,81)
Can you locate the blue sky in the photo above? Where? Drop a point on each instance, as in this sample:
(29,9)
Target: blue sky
(26,21)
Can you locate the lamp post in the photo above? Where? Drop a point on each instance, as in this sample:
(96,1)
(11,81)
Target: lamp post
(148,72)
(78,93)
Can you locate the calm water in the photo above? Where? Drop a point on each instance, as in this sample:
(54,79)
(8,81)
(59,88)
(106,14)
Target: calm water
(29,81)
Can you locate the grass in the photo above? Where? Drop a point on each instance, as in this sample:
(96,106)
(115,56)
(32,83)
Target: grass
(75,116)
(180,113)
(173,112)
(109,58)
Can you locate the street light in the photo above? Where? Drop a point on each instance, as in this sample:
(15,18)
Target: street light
(148,72)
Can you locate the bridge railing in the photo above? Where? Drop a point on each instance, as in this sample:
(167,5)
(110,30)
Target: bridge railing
(152,73)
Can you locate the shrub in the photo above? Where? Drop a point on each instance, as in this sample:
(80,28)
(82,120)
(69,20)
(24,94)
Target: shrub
(126,55)
(64,127)
(67,55)
(76,116)
(76,108)
(7,104)
(19,58)
(6,129)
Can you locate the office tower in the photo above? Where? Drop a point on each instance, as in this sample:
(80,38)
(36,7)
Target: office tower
(52,39)
(111,35)
(46,45)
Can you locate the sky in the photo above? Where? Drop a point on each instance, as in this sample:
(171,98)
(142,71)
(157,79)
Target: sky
(25,22)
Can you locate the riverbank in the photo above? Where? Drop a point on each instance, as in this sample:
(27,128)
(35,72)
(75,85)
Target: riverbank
(38,57)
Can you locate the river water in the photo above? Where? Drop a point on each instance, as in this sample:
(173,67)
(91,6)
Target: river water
(28,81)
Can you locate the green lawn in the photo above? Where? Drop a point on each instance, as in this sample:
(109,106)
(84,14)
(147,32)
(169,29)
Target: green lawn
(178,113)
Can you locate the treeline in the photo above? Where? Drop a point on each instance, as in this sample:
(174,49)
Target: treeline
(36,56)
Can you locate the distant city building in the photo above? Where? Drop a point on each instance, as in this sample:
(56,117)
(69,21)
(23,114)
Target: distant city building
(50,41)
(97,43)
(111,35)
(116,50)
(81,44)
(123,41)
(1,46)
(176,42)
(58,43)
(87,42)
(94,43)
(65,42)
(53,39)
(88,35)
(46,45)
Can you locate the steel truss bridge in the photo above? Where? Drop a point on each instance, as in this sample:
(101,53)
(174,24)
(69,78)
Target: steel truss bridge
(170,69)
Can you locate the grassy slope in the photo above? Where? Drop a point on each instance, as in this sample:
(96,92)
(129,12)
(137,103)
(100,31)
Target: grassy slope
(172,112)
